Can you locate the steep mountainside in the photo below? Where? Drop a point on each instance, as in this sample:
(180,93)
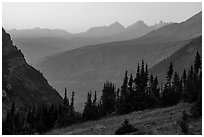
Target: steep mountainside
(88,67)
(22,83)
(182,59)
(37,43)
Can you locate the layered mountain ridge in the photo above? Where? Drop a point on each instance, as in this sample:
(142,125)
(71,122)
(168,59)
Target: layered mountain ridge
(37,43)
(86,68)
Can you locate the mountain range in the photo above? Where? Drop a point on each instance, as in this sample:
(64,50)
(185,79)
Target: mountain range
(88,67)
(37,43)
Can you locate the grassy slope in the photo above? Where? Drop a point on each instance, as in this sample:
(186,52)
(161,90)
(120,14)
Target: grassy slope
(155,121)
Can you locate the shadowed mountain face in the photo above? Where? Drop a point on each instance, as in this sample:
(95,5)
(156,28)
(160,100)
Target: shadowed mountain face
(86,68)
(182,59)
(22,83)
(37,43)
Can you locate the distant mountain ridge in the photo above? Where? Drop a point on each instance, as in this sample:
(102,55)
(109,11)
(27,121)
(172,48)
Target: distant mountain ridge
(39,32)
(104,30)
(37,43)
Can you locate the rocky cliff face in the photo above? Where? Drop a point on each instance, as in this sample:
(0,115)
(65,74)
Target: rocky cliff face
(22,83)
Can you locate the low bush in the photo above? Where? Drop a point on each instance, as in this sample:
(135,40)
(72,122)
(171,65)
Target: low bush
(125,128)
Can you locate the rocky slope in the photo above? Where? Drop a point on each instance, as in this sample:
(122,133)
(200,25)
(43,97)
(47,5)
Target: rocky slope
(22,83)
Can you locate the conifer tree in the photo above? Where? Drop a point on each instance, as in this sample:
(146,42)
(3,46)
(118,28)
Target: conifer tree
(169,75)
(156,89)
(66,100)
(124,96)
(197,63)
(143,77)
(108,98)
(87,113)
(146,75)
(130,83)
(72,102)
(177,86)
(95,107)
(142,70)
(95,99)
(151,83)
(117,101)
(184,78)
(137,79)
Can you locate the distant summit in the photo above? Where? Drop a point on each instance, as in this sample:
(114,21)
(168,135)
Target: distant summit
(161,24)
(102,31)
(137,25)
(117,26)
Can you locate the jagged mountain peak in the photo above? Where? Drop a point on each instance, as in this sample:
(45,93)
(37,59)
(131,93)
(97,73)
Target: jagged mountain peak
(138,24)
(117,25)
(160,24)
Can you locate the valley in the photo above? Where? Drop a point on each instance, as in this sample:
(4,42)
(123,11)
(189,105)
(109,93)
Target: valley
(126,68)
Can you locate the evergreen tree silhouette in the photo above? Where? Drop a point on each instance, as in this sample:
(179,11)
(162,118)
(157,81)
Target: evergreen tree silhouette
(197,63)
(66,100)
(87,113)
(169,75)
(72,102)
(130,83)
(108,98)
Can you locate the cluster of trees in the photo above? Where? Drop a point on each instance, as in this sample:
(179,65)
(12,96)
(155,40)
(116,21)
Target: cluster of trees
(144,91)
(91,111)
(40,118)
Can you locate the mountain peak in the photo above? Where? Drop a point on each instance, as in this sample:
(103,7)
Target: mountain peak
(138,24)
(160,24)
(117,23)
(117,26)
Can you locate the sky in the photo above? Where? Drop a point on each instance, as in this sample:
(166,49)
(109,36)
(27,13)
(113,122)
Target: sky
(79,17)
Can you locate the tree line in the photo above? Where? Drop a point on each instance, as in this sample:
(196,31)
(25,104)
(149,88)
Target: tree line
(136,93)
(144,91)
(40,118)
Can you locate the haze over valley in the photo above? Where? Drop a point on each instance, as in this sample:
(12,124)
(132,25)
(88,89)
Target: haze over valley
(66,66)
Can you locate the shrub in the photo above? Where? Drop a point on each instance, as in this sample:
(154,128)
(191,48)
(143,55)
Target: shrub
(125,128)
(196,109)
(184,127)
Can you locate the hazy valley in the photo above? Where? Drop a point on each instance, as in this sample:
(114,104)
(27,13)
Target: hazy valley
(117,79)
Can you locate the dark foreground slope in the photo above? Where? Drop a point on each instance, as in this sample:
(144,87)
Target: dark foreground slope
(182,59)
(22,83)
(161,121)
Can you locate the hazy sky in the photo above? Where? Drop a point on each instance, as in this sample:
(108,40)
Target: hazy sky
(78,17)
